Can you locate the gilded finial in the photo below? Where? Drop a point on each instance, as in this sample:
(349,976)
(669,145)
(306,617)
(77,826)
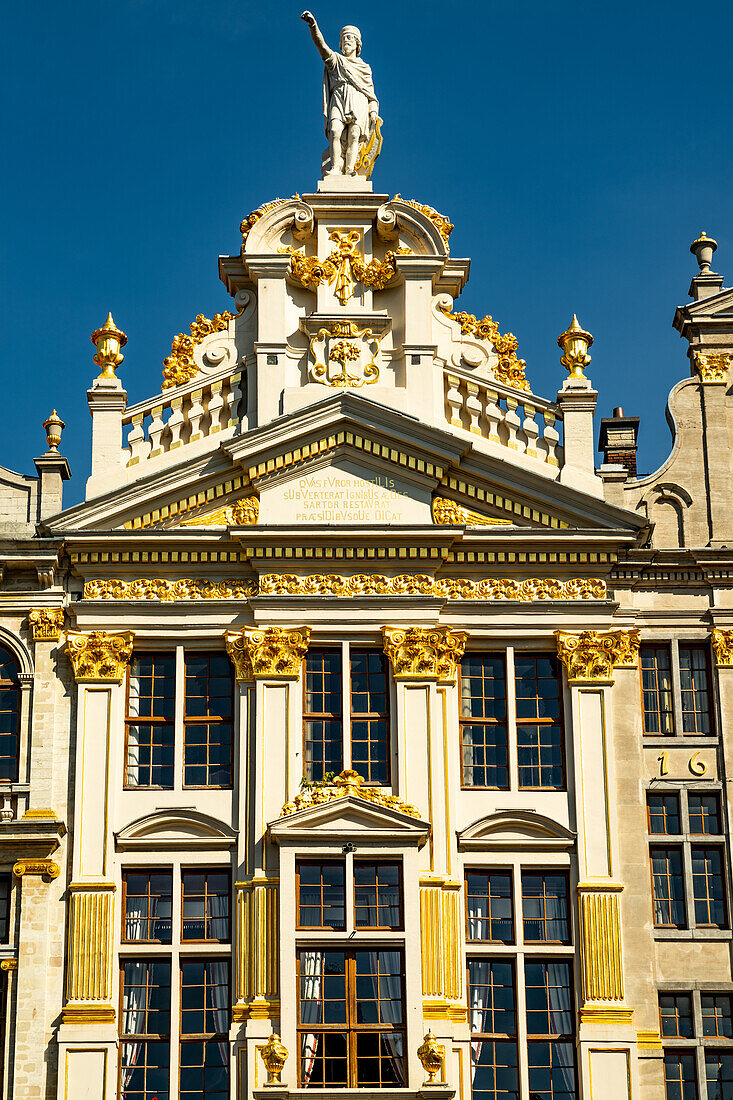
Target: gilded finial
(575,342)
(54,427)
(108,340)
(431,1055)
(703,249)
(274,1055)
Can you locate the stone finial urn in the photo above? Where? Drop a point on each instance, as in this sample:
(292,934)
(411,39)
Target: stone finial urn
(702,249)
(274,1055)
(431,1054)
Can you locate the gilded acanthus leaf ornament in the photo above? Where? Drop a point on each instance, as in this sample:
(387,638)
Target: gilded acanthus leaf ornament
(509,370)
(348,783)
(441,223)
(432,1055)
(424,652)
(343,342)
(240,513)
(251,220)
(421,584)
(594,654)
(449,513)
(712,367)
(184,588)
(274,1054)
(180,366)
(98,656)
(238,650)
(345,265)
(47,623)
(722,641)
(276,652)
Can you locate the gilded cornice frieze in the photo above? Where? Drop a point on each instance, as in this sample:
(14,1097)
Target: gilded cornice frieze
(47,623)
(448,512)
(344,265)
(180,365)
(45,867)
(722,641)
(347,783)
(421,584)
(509,370)
(424,652)
(241,513)
(184,588)
(441,223)
(275,652)
(592,655)
(712,367)
(99,656)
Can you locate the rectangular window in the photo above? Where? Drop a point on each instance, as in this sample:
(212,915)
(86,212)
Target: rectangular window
(207,738)
(321,893)
(205,908)
(675,1011)
(483,720)
(539,722)
(149,725)
(717,1018)
(719,1074)
(322,720)
(656,684)
(668,887)
(545,907)
(370,715)
(147,897)
(704,814)
(204,1066)
(377,895)
(550,1029)
(679,1075)
(4,908)
(707,887)
(489,906)
(695,689)
(493,1021)
(664,813)
(351,1030)
(145,1030)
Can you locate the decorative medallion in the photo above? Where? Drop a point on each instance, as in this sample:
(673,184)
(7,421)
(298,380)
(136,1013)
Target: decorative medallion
(180,366)
(47,623)
(241,513)
(45,867)
(712,368)
(441,223)
(345,265)
(431,1055)
(274,1055)
(185,588)
(509,370)
(99,656)
(275,652)
(420,652)
(722,641)
(347,783)
(448,512)
(593,654)
(339,344)
(238,651)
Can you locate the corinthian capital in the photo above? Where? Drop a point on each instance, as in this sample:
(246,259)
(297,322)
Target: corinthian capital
(271,653)
(424,653)
(722,647)
(99,657)
(594,654)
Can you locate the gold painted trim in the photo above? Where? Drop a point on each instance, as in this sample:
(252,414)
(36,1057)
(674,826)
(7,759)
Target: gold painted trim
(593,655)
(180,365)
(420,584)
(9,964)
(600,945)
(603,1016)
(47,623)
(45,867)
(39,813)
(88,1014)
(648,1040)
(184,588)
(509,370)
(99,657)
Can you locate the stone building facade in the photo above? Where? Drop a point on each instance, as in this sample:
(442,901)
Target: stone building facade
(357,731)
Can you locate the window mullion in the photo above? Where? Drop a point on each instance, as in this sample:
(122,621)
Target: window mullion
(178,718)
(689,894)
(346,705)
(676,687)
(520,998)
(351,1015)
(511,716)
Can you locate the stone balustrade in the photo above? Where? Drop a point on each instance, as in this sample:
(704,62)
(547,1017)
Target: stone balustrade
(526,424)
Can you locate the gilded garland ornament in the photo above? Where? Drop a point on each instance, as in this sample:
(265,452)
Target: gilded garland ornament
(274,1054)
(241,513)
(47,623)
(431,1055)
(722,641)
(441,223)
(421,584)
(424,652)
(348,783)
(344,264)
(448,512)
(509,370)
(98,656)
(184,588)
(180,366)
(712,367)
(276,652)
(593,655)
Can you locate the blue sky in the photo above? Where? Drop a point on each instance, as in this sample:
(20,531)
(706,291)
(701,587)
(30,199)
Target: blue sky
(579,149)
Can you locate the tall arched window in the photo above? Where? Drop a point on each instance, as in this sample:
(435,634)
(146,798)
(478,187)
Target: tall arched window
(9,716)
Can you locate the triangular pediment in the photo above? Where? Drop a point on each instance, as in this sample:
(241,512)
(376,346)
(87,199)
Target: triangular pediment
(510,830)
(350,819)
(171,828)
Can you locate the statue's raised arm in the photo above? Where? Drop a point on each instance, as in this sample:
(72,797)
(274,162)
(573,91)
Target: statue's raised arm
(350,107)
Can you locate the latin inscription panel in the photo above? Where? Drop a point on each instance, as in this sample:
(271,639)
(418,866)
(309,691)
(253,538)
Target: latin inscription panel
(345,494)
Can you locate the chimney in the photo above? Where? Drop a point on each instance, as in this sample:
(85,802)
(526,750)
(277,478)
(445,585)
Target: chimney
(617,440)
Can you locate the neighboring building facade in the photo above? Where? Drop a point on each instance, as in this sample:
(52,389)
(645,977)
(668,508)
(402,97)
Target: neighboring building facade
(356,732)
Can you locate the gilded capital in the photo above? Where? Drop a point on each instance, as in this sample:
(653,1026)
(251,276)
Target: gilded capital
(45,867)
(98,656)
(594,654)
(239,654)
(424,653)
(722,641)
(273,652)
(47,623)
(712,367)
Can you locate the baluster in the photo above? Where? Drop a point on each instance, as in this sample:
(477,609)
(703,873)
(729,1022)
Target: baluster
(551,438)
(233,398)
(473,408)
(175,424)
(530,429)
(216,408)
(512,424)
(194,416)
(155,431)
(136,441)
(454,401)
(493,413)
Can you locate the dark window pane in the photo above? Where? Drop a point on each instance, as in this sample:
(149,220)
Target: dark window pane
(4,908)
(207,731)
(668,886)
(489,906)
(149,721)
(321,894)
(551,1070)
(656,683)
(550,1010)
(707,887)
(492,1000)
(204,997)
(494,1074)
(695,689)
(148,901)
(716,1014)
(144,1070)
(205,906)
(704,814)
(679,1075)
(205,1070)
(9,716)
(322,715)
(370,748)
(377,895)
(545,907)
(146,997)
(664,813)
(540,755)
(719,1074)
(675,1010)
(484,755)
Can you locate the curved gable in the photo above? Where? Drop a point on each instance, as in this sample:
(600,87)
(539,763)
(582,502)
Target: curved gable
(515,829)
(173,828)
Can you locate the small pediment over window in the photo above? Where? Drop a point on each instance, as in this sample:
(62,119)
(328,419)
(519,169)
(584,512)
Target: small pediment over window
(174,829)
(509,830)
(350,819)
